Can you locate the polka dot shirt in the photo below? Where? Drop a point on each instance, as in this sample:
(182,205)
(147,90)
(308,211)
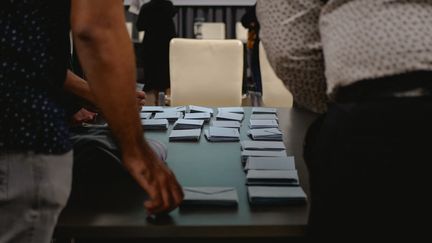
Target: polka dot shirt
(33,62)
(316,47)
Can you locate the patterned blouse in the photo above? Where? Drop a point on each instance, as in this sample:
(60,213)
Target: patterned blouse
(316,47)
(34,55)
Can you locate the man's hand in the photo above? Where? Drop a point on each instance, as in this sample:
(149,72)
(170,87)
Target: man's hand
(141,98)
(106,54)
(83,115)
(165,193)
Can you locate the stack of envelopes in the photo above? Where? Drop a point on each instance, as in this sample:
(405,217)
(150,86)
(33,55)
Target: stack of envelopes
(222,134)
(270,163)
(210,196)
(155,124)
(184,124)
(198,116)
(266,134)
(258,124)
(175,109)
(185,135)
(262,145)
(245,154)
(152,109)
(228,124)
(230,116)
(145,115)
(170,116)
(278,195)
(264,117)
(272,178)
(264,110)
(238,110)
(194,109)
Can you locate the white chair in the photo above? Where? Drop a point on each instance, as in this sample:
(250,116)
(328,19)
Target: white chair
(241,32)
(213,31)
(206,72)
(275,94)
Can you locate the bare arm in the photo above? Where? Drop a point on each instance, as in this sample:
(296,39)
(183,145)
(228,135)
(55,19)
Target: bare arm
(79,87)
(106,55)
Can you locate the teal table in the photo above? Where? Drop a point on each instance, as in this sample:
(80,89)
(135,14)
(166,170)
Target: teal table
(197,164)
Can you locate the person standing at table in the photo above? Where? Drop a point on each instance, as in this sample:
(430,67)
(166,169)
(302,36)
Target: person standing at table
(156,20)
(368,155)
(35,150)
(250,22)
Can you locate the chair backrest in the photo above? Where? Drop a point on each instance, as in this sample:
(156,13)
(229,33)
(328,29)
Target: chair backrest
(241,32)
(206,72)
(213,31)
(275,94)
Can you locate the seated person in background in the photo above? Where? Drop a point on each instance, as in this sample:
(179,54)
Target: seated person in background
(368,156)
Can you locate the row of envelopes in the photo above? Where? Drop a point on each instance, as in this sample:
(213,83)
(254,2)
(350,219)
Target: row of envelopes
(271,176)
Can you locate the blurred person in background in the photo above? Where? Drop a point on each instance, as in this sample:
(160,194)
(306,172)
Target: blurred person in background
(156,20)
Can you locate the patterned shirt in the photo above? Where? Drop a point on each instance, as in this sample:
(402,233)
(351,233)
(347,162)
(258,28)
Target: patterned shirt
(33,62)
(360,39)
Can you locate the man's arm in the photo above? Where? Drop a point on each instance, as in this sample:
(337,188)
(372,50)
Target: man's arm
(290,34)
(79,87)
(106,54)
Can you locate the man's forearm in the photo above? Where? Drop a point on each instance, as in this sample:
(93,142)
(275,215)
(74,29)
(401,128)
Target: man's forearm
(78,86)
(106,55)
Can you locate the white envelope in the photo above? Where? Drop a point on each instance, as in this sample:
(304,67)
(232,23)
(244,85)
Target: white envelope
(194,108)
(264,110)
(216,196)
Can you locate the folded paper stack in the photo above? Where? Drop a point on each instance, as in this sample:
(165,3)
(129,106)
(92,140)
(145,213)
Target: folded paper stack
(270,163)
(210,196)
(279,195)
(198,116)
(175,109)
(152,109)
(262,145)
(194,109)
(245,154)
(228,124)
(185,135)
(264,110)
(257,124)
(230,116)
(239,110)
(145,115)
(170,116)
(184,124)
(155,124)
(272,178)
(222,134)
(264,117)
(266,134)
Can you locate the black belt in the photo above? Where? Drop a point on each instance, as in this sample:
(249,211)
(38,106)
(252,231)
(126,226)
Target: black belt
(412,84)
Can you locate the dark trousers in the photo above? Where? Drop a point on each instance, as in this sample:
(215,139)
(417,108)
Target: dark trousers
(368,163)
